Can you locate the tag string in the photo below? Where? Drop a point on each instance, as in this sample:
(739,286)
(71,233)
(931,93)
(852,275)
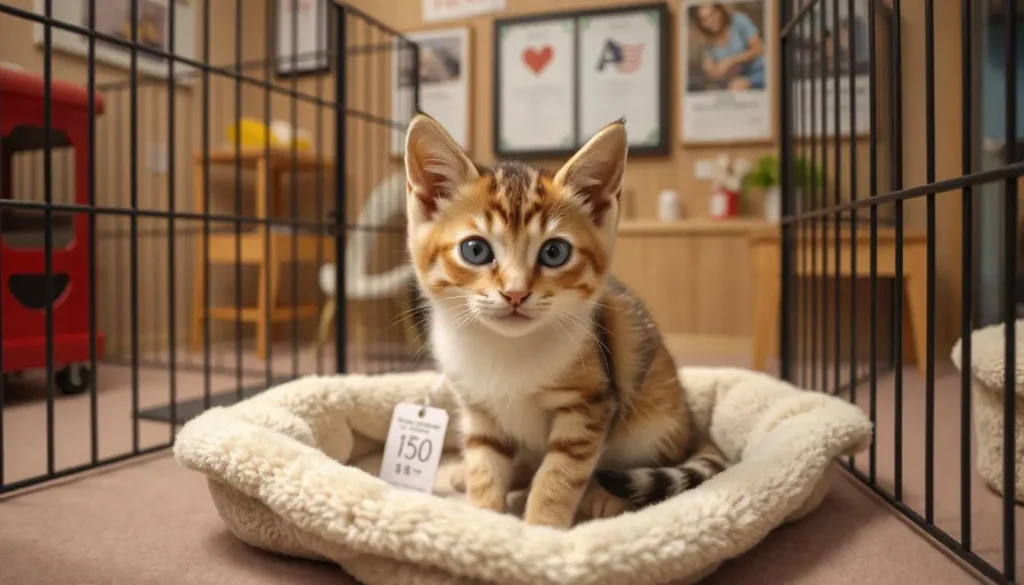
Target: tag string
(431,396)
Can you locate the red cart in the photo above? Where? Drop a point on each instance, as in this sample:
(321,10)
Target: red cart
(23,288)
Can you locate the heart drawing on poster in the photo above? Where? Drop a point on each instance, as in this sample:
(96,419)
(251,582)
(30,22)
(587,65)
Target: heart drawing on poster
(537,60)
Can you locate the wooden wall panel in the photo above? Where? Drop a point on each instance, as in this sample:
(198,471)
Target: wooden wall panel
(695,277)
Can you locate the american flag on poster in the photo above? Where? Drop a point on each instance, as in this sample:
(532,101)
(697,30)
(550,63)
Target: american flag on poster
(628,58)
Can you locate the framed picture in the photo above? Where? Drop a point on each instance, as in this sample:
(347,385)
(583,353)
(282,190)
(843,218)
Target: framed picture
(726,72)
(559,78)
(308,51)
(535,86)
(821,51)
(439,10)
(623,71)
(444,68)
(113,19)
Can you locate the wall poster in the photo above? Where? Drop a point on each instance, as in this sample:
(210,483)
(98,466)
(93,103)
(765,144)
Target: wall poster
(726,73)
(113,19)
(310,54)
(444,67)
(622,64)
(559,78)
(819,48)
(440,10)
(535,89)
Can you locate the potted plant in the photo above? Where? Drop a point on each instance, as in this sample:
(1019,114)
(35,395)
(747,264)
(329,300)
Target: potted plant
(806,175)
(765,176)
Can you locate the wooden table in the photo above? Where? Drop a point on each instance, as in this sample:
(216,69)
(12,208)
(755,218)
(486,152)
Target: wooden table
(284,247)
(766,257)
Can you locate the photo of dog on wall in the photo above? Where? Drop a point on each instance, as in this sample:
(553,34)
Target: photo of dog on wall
(441,61)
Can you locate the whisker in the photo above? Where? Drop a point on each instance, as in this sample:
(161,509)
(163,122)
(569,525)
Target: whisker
(583,362)
(583,320)
(466,320)
(401,316)
(585,330)
(465,311)
(422,348)
(426,304)
(465,317)
(595,303)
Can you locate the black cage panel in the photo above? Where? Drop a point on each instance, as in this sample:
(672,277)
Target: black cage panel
(901,239)
(174,222)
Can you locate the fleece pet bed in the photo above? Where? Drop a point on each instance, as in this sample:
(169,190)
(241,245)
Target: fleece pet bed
(293,470)
(988,368)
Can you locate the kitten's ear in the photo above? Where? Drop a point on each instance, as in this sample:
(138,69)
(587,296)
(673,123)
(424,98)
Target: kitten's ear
(435,165)
(594,174)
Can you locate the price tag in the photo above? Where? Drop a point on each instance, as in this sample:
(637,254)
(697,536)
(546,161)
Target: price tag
(412,450)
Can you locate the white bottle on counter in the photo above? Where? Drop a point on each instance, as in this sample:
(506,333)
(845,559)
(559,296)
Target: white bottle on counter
(668,206)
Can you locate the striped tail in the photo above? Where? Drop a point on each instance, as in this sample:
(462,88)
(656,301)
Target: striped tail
(645,486)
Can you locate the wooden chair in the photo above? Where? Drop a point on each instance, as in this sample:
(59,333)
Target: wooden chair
(285,248)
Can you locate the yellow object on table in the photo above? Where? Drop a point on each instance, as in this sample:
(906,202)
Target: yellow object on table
(254,134)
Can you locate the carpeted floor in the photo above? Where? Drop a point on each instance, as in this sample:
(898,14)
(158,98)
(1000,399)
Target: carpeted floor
(150,522)
(25,413)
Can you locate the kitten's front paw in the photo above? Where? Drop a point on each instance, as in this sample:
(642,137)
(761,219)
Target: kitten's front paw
(549,518)
(598,503)
(487,499)
(553,516)
(482,491)
(458,478)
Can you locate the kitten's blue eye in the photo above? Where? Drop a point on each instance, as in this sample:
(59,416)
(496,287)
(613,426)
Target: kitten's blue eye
(476,251)
(555,253)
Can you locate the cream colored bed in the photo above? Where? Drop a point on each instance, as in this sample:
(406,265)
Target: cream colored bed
(292,471)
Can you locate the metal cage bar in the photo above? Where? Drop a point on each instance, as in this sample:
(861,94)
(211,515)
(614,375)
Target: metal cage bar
(877,91)
(170,230)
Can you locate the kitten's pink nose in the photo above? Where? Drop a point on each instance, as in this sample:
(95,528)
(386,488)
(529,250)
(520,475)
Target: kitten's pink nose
(515,297)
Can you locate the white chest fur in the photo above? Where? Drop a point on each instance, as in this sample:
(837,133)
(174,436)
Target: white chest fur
(504,374)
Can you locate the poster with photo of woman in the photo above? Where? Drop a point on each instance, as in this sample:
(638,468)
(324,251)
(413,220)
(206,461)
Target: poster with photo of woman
(443,80)
(726,74)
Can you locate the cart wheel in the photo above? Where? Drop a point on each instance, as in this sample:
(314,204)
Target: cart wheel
(73,379)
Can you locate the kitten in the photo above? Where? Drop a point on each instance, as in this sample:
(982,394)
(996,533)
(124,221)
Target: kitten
(560,373)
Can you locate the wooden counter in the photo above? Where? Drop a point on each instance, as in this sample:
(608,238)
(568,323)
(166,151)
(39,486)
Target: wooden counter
(652,227)
(695,276)
(766,255)
(713,286)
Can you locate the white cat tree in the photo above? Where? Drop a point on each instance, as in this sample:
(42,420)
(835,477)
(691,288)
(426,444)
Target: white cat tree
(385,202)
